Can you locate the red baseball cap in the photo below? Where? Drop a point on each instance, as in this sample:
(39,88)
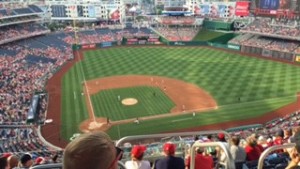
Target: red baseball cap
(221,135)
(138,150)
(6,155)
(169,148)
(39,160)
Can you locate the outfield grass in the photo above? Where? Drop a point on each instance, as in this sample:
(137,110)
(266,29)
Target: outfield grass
(261,85)
(106,103)
(207,35)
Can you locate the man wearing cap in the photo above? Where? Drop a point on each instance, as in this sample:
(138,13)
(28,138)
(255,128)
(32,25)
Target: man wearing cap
(137,162)
(170,161)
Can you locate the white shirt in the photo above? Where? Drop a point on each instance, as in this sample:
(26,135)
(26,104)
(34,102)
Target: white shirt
(137,164)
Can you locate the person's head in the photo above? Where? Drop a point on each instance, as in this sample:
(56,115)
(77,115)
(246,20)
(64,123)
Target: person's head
(287,132)
(235,140)
(279,133)
(137,152)
(13,161)
(26,160)
(90,150)
(295,130)
(3,163)
(169,149)
(251,141)
(221,137)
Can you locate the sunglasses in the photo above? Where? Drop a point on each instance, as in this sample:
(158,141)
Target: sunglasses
(119,156)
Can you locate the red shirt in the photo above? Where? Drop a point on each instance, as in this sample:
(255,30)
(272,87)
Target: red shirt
(253,153)
(201,162)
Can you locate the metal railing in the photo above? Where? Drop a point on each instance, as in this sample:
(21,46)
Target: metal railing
(271,149)
(60,166)
(131,138)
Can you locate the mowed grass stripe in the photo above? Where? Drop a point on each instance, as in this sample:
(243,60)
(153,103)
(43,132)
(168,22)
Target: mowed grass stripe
(211,117)
(148,104)
(224,75)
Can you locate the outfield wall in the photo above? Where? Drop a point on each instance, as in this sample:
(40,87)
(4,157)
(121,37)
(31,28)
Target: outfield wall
(291,57)
(269,53)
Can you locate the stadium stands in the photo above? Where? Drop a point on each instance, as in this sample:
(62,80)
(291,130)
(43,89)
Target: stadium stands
(17,32)
(273,44)
(27,64)
(178,33)
(285,29)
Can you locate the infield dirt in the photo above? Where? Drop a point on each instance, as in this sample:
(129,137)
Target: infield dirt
(51,132)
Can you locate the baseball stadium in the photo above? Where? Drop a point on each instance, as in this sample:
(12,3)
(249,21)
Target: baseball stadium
(170,83)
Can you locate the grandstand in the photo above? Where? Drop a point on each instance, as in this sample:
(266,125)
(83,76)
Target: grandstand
(31,56)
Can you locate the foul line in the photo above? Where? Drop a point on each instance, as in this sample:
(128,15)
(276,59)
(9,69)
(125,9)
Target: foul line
(86,88)
(181,119)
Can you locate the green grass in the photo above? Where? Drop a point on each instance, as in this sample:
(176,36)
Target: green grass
(106,103)
(262,85)
(207,35)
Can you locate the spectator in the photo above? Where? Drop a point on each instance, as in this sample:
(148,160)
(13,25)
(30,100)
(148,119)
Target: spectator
(253,152)
(26,161)
(295,159)
(221,137)
(170,161)
(3,163)
(220,153)
(13,161)
(91,150)
(202,160)
(137,162)
(238,153)
(261,141)
(287,134)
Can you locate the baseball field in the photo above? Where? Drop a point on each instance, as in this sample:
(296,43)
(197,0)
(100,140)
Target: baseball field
(111,89)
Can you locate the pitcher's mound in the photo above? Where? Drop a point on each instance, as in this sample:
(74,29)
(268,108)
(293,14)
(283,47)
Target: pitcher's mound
(129,101)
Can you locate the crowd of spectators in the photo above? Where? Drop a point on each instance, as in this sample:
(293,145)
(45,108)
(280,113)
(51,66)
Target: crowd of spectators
(284,46)
(178,33)
(18,9)
(25,70)
(26,65)
(267,43)
(16,32)
(169,20)
(245,146)
(106,35)
(274,28)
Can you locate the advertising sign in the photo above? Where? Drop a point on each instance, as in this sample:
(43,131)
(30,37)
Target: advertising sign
(242,8)
(91,11)
(232,46)
(89,46)
(73,10)
(269,4)
(222,9)
(204,9)
(106,44)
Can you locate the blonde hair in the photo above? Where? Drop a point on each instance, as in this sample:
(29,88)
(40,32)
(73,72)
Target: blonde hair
(91,150)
